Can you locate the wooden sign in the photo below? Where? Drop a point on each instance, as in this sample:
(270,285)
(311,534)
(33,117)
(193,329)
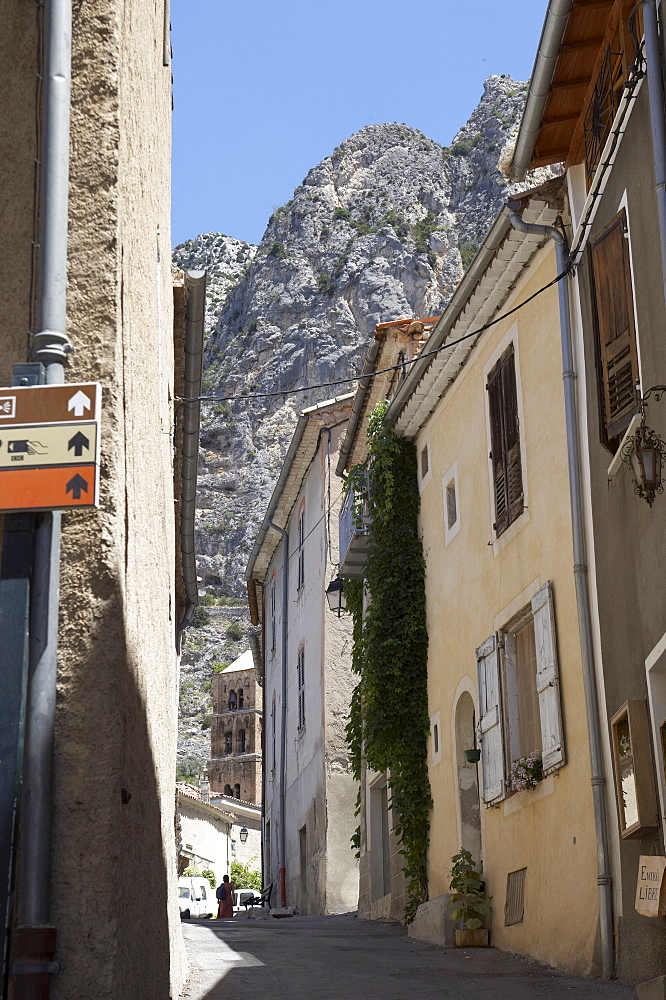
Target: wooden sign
(650,894)
(49,446)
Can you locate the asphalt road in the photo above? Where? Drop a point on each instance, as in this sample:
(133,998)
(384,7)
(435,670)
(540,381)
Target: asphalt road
(342,958)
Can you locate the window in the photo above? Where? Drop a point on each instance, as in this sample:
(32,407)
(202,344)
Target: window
(232,701)
(519,696)
(435,738)
(240,697)
(505,442)
(273,629)
(615,342)
(227,790)
(451,504)
(236,791)
(301,548)
(228,742)
(424,462)
(241,741)
(300,666)
(632,763)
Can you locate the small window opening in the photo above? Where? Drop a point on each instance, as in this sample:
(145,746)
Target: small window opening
(435,737)
(451,505)
(424,462)
(240,697)
(232,701)
(237,791)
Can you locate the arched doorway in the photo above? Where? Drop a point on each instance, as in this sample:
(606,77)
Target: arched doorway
(468,781)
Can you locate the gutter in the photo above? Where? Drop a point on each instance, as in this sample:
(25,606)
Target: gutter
(604,879)
(548,53)
(655,80)
(195,289)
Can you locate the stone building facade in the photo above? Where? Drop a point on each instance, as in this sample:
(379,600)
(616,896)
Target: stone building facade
(235,764)
(121,597)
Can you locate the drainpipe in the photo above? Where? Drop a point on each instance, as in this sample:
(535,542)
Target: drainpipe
(604,879)
(283,710)
(658,127)
(34,940)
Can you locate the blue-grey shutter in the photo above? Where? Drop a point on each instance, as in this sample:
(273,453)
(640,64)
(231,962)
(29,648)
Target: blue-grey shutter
(491,727)
(547,679)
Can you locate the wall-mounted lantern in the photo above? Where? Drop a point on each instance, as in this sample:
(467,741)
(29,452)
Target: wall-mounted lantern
(644,451)
(243,835)
(335,595)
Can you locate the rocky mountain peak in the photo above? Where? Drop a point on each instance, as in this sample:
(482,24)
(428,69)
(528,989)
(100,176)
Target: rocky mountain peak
(382,228)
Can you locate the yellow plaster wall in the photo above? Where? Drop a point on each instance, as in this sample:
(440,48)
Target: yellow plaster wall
(469,585)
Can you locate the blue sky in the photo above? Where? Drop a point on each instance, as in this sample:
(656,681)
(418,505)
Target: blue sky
(265,90)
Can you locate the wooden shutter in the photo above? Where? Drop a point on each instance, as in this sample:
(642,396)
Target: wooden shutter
(505,441)
(490,721)
(547,680)
(616,333)
(497,455)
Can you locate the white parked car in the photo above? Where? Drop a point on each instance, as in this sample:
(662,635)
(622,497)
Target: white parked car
(195,897)
(243,898)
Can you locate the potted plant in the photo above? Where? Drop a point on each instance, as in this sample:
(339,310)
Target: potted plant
(472,903)
(472,756)
(526,772)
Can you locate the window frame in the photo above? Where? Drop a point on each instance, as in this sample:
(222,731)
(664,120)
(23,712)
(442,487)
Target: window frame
(507,447)
(494,726)
(451,478)
(300,581)
(300,668)
(612,427)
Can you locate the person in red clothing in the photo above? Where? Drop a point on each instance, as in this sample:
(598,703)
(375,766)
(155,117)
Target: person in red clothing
(225,897)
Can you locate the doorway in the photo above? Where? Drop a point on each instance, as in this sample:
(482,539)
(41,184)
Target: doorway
(468,781)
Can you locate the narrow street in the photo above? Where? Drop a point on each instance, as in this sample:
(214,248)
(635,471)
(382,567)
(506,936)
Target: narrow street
(342,958)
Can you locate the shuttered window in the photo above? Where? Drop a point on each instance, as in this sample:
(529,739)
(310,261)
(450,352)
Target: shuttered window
(301,549)
(616,334)
(505,442)
(301,687)
(491,722)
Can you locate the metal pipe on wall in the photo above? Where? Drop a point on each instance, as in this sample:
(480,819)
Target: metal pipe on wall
(34,940)
(604,879)
(657,124)
(283,710)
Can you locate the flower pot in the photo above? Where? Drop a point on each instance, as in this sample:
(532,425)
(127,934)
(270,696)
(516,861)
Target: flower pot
(472,756)
(472,939)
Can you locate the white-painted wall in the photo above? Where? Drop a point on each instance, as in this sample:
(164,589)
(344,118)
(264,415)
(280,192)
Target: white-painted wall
(319,792)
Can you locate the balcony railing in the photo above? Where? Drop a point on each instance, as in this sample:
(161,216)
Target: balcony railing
(354,529)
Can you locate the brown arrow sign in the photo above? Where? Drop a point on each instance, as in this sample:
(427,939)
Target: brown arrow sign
(49,404)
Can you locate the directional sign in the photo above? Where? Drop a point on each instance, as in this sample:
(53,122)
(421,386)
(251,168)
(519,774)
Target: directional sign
(42,489)
(49,404)
(49,446)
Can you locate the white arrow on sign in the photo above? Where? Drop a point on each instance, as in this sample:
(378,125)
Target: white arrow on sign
(79,403)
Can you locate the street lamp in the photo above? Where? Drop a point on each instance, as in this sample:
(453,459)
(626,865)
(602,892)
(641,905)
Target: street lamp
(243,835)
(644,451)
(335,595)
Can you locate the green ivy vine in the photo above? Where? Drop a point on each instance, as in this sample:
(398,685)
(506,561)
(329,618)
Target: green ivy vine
(388,720)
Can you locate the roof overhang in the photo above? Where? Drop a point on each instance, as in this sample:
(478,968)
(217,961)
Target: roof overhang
(571,43)
(494,272)
(300,454)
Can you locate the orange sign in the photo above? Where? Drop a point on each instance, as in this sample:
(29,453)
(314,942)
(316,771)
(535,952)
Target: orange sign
(58,487)
(49,446)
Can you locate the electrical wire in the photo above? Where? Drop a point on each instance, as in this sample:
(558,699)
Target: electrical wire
(382,371)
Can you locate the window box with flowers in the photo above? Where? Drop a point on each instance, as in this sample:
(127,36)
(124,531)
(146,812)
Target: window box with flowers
(526,772)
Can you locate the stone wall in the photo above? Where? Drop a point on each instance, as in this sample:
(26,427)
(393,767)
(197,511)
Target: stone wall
(118,664)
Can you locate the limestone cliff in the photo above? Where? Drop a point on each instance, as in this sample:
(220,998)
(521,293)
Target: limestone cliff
(381,228)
